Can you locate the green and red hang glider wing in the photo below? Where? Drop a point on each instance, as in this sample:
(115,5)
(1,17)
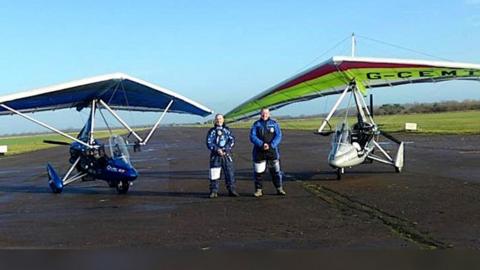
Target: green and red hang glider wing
(334,75)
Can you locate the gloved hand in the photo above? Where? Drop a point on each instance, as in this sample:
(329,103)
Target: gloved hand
(266,146)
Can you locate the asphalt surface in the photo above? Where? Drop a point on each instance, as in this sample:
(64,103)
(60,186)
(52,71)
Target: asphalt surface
(433,204)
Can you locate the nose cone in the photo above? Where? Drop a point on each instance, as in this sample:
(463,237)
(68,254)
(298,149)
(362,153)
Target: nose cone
(132,174)
(122,169)
(343,155)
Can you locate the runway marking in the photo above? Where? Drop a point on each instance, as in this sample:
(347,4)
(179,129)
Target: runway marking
(403,227)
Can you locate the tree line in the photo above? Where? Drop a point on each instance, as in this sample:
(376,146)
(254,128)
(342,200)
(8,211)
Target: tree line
(408,108)
(435,107)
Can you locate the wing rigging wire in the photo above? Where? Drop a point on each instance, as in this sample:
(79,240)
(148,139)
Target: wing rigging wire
(124,93)
(319,94)
(114,92)
(345,120)
(126,101)
(106,123)
(404,48)
(316,59)
(370,39)
(321,55)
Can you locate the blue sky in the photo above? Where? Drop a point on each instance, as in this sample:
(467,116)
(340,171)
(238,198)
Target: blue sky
(221,53)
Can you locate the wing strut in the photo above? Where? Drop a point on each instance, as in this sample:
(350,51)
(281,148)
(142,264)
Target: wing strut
(120,119)
(91,140)
(330,114)
(157,123)
(45,125)
(140,140)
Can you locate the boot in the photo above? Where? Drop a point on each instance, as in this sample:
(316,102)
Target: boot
(258,193)
(281,192)
(233,193)
(213,194)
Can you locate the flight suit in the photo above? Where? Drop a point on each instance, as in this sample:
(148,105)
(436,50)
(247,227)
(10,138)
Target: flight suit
(220,137)
(266,132)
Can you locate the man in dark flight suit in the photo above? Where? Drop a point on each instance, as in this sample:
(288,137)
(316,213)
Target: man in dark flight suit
(220,141)
(266,136)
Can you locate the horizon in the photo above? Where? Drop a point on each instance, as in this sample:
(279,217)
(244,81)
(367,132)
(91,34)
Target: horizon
(222,53)
(340,111)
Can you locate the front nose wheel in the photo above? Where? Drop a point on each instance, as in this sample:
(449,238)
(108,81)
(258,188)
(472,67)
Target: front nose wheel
(122,187)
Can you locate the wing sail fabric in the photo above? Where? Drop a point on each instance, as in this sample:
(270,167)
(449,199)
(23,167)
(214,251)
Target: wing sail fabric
(334,75)
(118,90)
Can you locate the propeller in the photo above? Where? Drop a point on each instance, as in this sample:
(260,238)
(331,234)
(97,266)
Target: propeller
(56,142)
(389,136)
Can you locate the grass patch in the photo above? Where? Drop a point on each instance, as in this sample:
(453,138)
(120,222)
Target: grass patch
(467,122)
(22,144)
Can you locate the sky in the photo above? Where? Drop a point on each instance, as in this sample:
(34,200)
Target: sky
(220,53)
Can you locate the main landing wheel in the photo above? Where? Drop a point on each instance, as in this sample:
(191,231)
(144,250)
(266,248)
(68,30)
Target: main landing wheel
(122,187)
(340,171)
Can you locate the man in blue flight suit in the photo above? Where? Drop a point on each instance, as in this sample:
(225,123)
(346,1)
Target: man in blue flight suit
(220,142)
(266,136)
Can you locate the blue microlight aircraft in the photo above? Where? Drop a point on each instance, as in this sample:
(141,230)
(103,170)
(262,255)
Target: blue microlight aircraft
(89,157)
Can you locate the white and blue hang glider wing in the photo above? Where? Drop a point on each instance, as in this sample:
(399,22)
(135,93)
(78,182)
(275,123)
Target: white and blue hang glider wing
(119,91)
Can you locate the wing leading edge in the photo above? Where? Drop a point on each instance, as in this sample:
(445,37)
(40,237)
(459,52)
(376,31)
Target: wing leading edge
(333,76)
(119,91)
